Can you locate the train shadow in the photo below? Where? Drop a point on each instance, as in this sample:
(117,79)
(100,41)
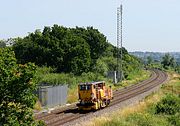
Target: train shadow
(75,111)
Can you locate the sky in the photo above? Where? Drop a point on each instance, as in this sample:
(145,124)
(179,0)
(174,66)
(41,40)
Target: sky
(148,25)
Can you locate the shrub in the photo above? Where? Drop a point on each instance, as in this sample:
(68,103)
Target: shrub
(175,119)
(170,105)
(17,83)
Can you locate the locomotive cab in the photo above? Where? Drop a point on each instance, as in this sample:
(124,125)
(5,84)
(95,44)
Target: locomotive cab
(93,95)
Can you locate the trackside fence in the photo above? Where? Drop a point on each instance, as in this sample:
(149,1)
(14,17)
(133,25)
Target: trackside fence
(50,96)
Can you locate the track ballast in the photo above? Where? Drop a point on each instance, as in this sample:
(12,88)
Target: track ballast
(65,115)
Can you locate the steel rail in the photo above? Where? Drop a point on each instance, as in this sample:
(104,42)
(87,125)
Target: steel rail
(61,117)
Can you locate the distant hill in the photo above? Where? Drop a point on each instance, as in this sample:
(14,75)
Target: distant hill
(157,56)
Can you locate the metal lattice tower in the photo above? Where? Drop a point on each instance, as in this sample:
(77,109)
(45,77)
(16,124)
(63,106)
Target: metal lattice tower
(119,42)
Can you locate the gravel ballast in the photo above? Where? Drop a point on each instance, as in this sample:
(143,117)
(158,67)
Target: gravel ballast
(127,103)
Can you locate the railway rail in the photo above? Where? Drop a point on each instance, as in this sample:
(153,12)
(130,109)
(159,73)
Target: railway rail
(62,116)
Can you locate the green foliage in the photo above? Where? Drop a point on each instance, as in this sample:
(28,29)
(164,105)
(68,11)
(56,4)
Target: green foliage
(17,84)
(131,64)
(58,79)
(96,40)
(146,119)
(77,55)
(67,49)
(101,67)
(149,60)
(73,50)
(168,61)
(168,105)
(177,69)
(135,73)
(111,63)
(137,119)
(175,119)
(42,71)
(2,44)
(70,79)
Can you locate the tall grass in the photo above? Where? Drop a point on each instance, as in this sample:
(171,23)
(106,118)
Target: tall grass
(46,76)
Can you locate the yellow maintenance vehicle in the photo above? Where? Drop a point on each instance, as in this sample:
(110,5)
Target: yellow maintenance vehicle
(94,95)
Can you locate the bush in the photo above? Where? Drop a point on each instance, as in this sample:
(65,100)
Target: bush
(170,105)
(175,119)
(17,83)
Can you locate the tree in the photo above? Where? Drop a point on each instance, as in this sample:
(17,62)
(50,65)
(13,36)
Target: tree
(101,67)
(2,44)
(149,60)
(17,84)
(96,40)
(66,49)
(39,48)
(177,68)
(70,50)
(77,55)
(168,61)
(172,62)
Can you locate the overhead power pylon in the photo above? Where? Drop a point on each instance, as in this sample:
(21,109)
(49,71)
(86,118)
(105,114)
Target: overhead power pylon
(119,71)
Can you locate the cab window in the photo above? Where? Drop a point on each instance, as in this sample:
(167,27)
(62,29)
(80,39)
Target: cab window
(85,87)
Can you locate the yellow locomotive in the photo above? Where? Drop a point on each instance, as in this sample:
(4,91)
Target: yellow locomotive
(94,95)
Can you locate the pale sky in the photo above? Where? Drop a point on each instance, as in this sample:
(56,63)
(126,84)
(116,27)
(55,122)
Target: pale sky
(148,25)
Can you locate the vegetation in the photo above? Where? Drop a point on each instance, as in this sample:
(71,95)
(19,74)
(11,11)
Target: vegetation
(73,55)
(17,84)
(168,61)
(66,49)
(177,69)
(2,44)
(72,80)
(72,50)
(159,109)
(62,56)
(156,56)
(169,105)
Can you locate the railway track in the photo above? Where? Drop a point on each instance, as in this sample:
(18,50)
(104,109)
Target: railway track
(62,116)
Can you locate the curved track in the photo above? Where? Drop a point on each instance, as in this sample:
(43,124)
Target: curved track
(62,116)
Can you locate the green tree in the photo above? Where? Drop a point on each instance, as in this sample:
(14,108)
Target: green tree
(77,55)
(149,60)
(111,62)
(40,48)
(96,40)
(177,69)
(2,44)
(75,50)
(66,49)
(17,84)
(101,67)
(168,61)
